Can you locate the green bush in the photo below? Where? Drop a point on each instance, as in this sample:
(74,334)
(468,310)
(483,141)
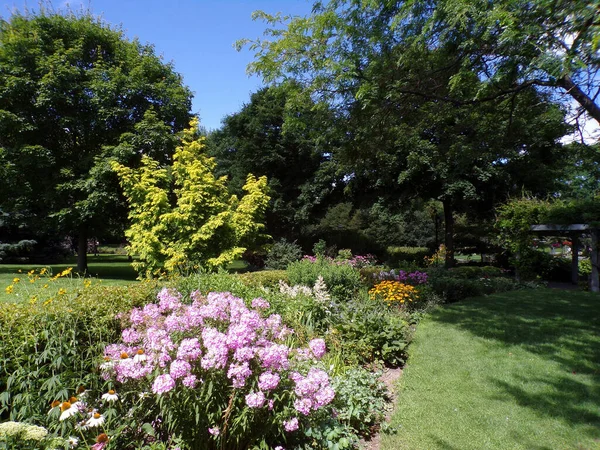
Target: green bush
(282,254)
(360,399)
(364,332)
(266,278)
(470,272)
(48,350)
(452,289)
(396,256)
(342,280)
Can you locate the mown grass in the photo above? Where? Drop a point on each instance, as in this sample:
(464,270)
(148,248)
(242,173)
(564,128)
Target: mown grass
(109,269)
(519,370)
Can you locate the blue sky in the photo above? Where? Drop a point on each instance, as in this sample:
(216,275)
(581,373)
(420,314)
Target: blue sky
(197,36)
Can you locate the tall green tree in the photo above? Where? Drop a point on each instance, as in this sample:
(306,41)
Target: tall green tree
(389,90)
(287,138)
(73,92)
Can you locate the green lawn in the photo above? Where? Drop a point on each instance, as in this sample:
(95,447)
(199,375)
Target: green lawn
(519,370)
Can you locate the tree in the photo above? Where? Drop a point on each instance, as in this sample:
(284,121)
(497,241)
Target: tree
(182,216)
(285,142)
(71,90)
(399,141)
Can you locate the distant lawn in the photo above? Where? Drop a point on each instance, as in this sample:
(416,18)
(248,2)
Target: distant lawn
(519,370)
(111,269)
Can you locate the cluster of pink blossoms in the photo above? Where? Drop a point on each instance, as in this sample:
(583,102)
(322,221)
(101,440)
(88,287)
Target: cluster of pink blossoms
(217,332)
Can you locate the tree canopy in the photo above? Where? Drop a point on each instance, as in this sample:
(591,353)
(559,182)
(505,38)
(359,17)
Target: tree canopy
(71,88)
(406,107)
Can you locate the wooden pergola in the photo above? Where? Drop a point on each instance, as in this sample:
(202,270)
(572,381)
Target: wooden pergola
(574,232)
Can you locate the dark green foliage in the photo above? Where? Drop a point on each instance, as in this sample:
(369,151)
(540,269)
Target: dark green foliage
(396,256)
(283,253)
(70,88)
(471,272)
(11,252)
(452,289)
(342,280)
(48,351)
(279,135)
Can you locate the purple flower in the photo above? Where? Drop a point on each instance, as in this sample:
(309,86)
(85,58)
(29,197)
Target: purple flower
(291,425)
(190,381)
(130,336)
(239,373)
(260,303)
(214,431)
(255,399)
(163,383)
(303,405)
(189,349)
(180,368)
(317,346)
(268,381)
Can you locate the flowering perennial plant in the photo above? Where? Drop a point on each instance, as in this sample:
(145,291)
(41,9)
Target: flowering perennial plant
(357,261)
(394,292)
(414,278)
(227,359)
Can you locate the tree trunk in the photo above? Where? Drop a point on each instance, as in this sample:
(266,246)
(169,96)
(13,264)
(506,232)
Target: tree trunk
(448,233)
(82,250)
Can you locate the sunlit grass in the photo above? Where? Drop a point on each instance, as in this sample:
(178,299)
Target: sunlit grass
(519,370)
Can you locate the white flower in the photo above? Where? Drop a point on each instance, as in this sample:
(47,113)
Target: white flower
(68,410)
(73,441)
(95,420)
(139,357)
(110,396)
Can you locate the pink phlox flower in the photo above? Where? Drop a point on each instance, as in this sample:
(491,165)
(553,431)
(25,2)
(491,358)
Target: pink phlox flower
(274,357)
(255,399)
(214,431)
(189,349)
(291,425)
(260,303)
(168,300)
(180,368)
(268,381)
(151,313)
(129,369)
(216,349)
(163,383)
(158,339)
(323,397)
(303,405)
(240,335)
(130,336)
(191,381)
(136,316)
(174,322)
(317,347)
(239,373)
(244,354)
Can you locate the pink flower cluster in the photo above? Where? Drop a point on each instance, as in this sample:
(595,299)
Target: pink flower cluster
(312,391)
(414,278)
(179,344)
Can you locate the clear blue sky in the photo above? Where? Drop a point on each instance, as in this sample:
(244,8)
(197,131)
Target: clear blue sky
(197,36)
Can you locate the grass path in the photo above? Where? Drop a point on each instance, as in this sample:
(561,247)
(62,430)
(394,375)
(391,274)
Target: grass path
(519,370)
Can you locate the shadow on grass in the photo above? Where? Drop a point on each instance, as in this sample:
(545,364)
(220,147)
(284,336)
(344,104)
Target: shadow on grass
(559,326)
